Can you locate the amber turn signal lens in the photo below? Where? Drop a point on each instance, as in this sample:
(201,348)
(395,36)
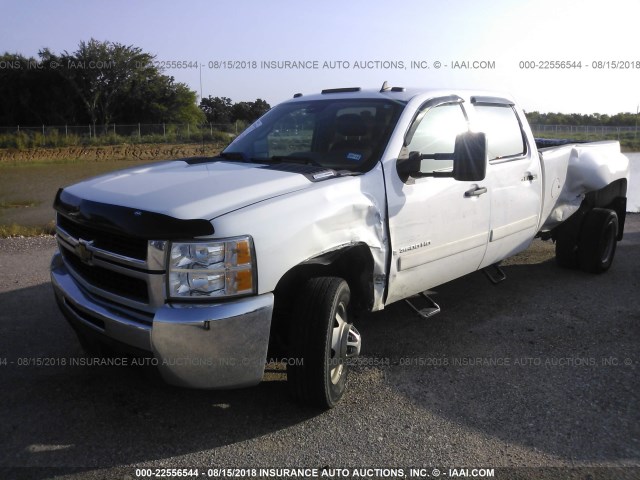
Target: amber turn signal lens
(243,252)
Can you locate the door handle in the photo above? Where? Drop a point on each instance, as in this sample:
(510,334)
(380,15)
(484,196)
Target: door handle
(529,177)
(475,191)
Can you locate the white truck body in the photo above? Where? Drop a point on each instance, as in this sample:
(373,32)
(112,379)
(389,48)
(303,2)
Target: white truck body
(390,235)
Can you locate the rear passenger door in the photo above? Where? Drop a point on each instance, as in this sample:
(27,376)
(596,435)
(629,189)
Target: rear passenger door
(516,183)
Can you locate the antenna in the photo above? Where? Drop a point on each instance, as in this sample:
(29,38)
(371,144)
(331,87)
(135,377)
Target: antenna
(385,87)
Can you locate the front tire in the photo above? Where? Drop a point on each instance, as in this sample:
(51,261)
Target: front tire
(321,340)
(598,240)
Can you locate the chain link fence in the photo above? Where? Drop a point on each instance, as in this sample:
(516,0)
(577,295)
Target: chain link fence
(586,132)
(113,134)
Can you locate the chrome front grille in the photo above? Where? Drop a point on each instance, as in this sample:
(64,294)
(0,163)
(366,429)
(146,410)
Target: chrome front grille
(101,263)
(130,247)
(109,280)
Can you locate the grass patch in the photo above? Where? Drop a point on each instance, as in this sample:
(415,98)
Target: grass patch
(118,153)
(628,143)
(56,161)
(54,137)
(15,230)
(30,179)
(18,204)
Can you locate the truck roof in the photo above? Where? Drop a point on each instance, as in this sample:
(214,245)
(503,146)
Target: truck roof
(388,92)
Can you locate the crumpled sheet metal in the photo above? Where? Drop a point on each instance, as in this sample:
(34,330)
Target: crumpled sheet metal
(572,171)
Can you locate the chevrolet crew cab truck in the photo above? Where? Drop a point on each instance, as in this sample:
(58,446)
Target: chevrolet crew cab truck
(328,206)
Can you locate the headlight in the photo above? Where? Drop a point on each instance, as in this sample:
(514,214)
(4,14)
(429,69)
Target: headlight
(223,268)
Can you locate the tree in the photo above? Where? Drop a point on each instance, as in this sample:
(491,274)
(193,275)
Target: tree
(259,108)
(33,93)
(217,109)
(100,72)
(158,99)
(242,111)
(249,112)
(112,82)
(221,110)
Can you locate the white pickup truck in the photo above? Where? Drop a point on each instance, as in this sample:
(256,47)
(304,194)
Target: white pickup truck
(328,206)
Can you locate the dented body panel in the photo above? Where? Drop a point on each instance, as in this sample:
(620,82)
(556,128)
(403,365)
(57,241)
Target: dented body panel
(571,171)
(337,214)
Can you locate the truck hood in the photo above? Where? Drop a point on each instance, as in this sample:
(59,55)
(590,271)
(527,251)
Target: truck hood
(189,191)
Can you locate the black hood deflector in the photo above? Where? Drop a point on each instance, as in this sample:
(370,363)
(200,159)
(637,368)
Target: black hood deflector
(128,221)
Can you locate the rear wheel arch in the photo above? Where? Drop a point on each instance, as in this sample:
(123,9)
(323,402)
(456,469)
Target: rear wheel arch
(568,234)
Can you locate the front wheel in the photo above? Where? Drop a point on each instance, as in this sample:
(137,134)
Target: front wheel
(321,339)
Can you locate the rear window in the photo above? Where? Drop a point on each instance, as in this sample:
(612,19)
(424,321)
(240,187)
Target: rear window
(504,135)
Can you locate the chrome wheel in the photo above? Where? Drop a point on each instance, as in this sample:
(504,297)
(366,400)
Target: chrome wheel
(345,343)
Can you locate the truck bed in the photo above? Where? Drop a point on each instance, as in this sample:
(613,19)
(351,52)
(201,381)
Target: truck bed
(571,171)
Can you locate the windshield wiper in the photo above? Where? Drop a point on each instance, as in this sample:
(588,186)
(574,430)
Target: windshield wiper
(292,159)
(232,156)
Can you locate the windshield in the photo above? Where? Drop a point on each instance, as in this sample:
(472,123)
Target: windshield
(347,134)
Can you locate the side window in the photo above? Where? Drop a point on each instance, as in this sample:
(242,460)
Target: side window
(436,133)
(504,135)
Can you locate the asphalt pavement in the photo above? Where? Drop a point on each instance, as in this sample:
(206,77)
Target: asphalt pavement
(540,371)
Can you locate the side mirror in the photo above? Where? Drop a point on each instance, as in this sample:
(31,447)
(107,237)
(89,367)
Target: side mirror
(470,157)
(410,166)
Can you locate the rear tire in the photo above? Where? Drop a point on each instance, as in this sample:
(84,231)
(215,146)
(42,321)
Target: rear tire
(321,339)
(598,240)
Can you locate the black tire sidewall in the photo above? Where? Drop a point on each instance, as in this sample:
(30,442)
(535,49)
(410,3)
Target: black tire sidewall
(311,331)
(599,230)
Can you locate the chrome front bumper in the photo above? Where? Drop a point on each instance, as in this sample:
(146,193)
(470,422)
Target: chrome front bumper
(220,345)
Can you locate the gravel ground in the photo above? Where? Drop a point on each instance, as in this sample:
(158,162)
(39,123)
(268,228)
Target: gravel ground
(539,371)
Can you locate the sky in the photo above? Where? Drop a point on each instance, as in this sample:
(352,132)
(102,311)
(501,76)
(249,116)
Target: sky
(227,46)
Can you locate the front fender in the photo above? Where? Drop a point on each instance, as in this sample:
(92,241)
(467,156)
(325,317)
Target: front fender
(292,229)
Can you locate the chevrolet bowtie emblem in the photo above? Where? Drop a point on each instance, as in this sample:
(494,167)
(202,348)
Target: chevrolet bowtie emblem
(83,252)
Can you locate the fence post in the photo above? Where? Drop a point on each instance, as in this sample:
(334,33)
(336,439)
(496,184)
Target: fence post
(164,131)
(114,129)
(188,131)
(66,131)
(139,134)
(89,131)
